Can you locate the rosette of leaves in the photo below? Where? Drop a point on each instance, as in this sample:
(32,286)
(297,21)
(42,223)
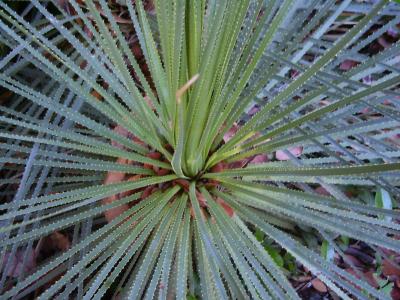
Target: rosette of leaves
(162,180)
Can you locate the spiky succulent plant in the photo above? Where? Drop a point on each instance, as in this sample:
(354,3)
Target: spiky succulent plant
(162,169)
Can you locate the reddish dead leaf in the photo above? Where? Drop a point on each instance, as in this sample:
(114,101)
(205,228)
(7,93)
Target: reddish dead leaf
(322,191)
(192,212)
(202,213)
(149,102)
(123,132)
(155,156)
(138,141)
(355,261)
(387,102)
(201,199)
(183,183)
(112,213)
(169,148)
(116,17)
(367,276)
(83,64)
(255,109)
(162,172)
(211,183)
(231,132)
(148,191)
(395,293)
(148,166)
(319,285)
(137,51)
(238,164)
(88,32)
(324,102)
(294,73)
(128,193)
(149,6)
(134,177)
(16,268)
(60,241)
(218,167)
(365,110)
(63,3)
(5,96)
(259,159)
(68,8)
(114,177)
(392,32)
(296,151)
(367,79)
(390,269)
(360,254)
(96,94)
(303,278)
(348,64)
(229,210)
(383,42)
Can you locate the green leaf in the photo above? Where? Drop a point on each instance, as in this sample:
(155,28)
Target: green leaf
(327,250)
(275,255)
(383,200)
(259,235)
